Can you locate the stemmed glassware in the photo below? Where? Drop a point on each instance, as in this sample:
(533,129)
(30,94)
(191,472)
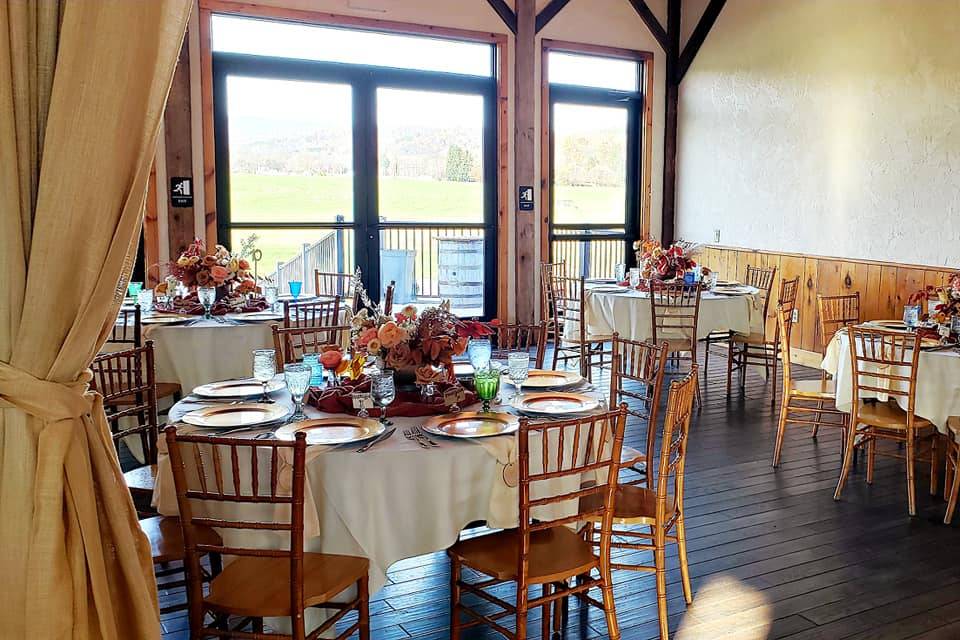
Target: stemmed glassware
(383,390)
(133,288)
(297,376)
(620,271)
(264,368)
(487,384)
(479,351)
(271,294)
(296,286)
(518,369)
(207,297)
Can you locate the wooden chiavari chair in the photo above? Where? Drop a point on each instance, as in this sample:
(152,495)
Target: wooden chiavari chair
(388,297)
(291,343)
(323,312)
(547,272)
(953,468)
(637,381)
(758,277)
(128,328)
(756,348)
(259,582)
(660,508)
(329,284)
(543,550)
(674,312)
(127,382)
(520,337)
(885,362)
(835,313)
(573,341)
(804,401)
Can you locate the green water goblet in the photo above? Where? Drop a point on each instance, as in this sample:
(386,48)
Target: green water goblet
(487,384)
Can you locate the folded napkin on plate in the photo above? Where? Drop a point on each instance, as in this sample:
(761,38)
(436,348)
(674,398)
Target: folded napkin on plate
(407,404)
(191,306)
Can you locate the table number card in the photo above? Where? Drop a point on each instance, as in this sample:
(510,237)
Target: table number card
(362,401)
(453,396)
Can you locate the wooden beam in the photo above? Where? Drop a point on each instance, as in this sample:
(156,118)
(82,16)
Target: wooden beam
(668,214)
(506,14)
(698,36)
(179,153)
(549,12)
(525,114)
(649,19)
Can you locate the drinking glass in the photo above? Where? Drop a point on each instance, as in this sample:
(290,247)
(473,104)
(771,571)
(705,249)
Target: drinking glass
(264,368)
(271,294)
(911,315)
(487,383)
(634,277)
(312,360)
(620,271)
(134,288)
(384,392)
(297,376)
(145,300)
(955,325)
(518,368)
(296,286)
(207,296)
(479,351)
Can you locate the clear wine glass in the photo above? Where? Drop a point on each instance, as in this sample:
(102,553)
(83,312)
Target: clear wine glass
(297,376)
(384,392)
(264,369)
(271,294)
(479,351)
(518,369)
(207,297)
(620,271)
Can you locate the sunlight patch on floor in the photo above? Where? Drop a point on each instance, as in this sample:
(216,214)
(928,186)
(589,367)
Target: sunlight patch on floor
(725,607)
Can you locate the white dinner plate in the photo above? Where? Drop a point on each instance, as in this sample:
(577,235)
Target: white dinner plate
(331,431)
(255,316)
(472,424)
(554,403)
(248,414)
(545,379)
(236,388)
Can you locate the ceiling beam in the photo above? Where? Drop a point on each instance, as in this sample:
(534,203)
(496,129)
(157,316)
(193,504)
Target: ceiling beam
(698,36)
(672,93)
(648,17)
(549,12)
(506,14)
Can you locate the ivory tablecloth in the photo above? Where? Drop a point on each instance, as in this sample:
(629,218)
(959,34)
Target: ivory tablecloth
(628,313)
(938,381)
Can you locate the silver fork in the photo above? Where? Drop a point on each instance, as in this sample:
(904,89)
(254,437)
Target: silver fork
(424,438)
(413,436)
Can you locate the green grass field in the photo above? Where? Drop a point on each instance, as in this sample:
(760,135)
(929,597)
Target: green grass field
(266,198)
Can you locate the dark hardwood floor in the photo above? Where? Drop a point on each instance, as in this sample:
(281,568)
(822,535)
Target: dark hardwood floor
(771,554)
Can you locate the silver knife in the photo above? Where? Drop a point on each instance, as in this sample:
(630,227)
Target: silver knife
(386,434)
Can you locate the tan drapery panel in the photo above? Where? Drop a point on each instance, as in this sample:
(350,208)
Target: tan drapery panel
(82,89)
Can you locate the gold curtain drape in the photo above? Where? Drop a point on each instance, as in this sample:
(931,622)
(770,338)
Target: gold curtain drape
(82,89)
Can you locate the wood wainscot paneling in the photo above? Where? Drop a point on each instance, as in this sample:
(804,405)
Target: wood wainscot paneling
(884,286)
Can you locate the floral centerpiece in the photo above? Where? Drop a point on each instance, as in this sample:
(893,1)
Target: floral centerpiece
(197,268)
(421,345)
(659,263)
(947,297)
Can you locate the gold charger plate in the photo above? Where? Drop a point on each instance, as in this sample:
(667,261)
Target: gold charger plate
(472,424)
(236,388)
(255,316)
(248,414)
(890,325)
(544,378)
(166,318)
(554,403)
(330,431)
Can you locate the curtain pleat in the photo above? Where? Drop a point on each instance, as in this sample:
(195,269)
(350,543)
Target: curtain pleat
(82,90)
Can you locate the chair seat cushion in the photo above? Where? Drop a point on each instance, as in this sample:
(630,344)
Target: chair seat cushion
(555,554)
(260,587)
(166,538)
(141,479)
(632,505)
(888,415)
(819,389)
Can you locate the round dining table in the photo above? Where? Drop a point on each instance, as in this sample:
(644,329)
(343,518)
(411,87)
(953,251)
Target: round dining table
(938,381)
(610,308)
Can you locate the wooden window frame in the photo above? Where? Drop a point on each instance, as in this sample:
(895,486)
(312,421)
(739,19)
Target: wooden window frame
(320,18)
(645,58)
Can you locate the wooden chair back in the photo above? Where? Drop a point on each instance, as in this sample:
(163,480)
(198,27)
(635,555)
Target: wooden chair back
(520,337)
(291,343)
(673,447)
(569,449)
(127,329)
(388,297)
(323,312)
(835,313)
(566,297)
(329,285)
(762,278)
(547,271)
(884,362)
(784,330)
(637,380)
(787,301)
(237,471)
(127,382)
(674,311)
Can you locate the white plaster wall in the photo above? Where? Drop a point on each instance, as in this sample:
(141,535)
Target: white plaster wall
(827,127)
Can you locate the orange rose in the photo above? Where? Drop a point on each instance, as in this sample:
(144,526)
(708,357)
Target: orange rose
(244,264)
(366,336)
(209,261)
(391,335)
(203,278)
(218,273)
(399,356)
(374,346)
(331,359)
(427,374)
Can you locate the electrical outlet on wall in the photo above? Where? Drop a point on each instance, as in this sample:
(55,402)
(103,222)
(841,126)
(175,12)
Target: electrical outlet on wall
(716,235)
(796,316)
